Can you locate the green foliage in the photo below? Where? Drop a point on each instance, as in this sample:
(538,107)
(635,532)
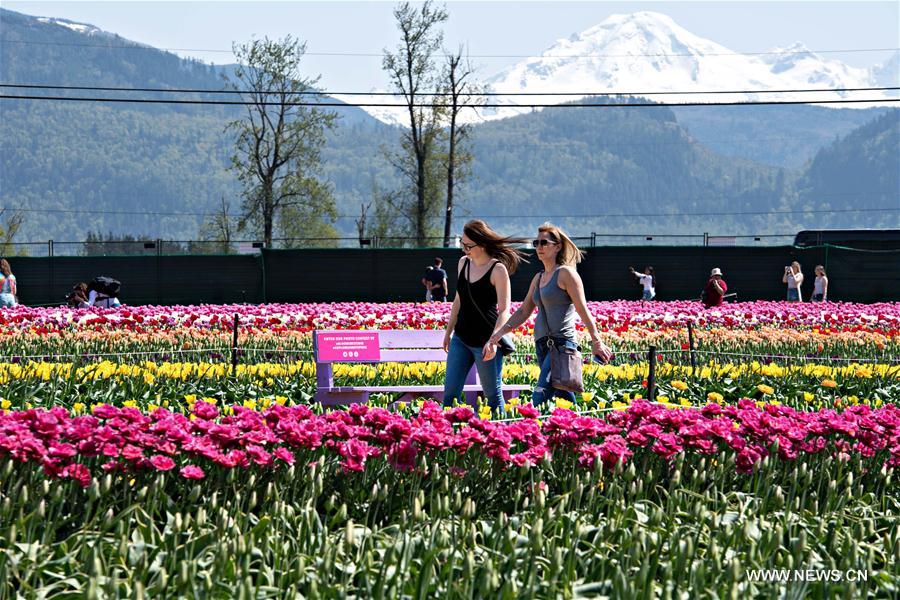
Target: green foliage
(454,529)
(279,141)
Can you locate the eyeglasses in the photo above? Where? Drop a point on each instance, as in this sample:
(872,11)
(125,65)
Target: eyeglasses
(536,243)
(468,246)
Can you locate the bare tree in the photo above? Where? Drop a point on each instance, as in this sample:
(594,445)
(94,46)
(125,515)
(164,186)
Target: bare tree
(279,141)
(220,228)
(458,74)
(414,76)
(8,231)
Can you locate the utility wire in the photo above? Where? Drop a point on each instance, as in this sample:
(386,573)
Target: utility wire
(394,94)
(497,216)
(381,54)
(397,105)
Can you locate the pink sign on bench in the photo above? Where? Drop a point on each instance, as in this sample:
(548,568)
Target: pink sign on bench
(353,346)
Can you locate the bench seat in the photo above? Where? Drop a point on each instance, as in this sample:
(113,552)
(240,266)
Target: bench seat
(378,346)
(387,389)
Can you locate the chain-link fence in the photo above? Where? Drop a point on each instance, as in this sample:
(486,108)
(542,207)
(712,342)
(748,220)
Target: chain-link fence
(147,247)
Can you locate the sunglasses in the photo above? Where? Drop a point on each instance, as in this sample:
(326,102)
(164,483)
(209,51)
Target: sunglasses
(536,243)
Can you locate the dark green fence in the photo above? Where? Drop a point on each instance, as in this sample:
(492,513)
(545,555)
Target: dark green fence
(382,275)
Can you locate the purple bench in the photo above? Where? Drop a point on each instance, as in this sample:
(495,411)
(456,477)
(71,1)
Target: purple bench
(382,346)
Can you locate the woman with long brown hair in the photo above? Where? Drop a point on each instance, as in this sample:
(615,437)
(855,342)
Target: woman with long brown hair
(560,292)
(8,289)
(481,306)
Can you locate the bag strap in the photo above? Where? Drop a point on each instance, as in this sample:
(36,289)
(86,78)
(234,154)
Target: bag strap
(541,304)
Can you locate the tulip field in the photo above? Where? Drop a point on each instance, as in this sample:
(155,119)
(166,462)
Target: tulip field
(144,454)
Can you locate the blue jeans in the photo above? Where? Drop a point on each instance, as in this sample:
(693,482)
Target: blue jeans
(793,294)
(459,362)
(543,391)
(648,295)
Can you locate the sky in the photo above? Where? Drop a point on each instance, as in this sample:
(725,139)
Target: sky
(506,31)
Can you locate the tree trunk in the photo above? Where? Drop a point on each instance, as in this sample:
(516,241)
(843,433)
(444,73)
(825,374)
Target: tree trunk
(268,217)
(448,215)
(421,217)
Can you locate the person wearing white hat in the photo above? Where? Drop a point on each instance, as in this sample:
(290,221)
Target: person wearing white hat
(714,292)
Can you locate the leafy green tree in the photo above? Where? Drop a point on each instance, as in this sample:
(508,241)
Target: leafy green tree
(414,76)
(8,231)
(279,141)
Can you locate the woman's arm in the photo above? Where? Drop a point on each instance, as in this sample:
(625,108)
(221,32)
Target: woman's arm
(824,287)
(718,287)
(798,277)
(571,282)
(451,323)
(12,285)
(500,281)
(519,317)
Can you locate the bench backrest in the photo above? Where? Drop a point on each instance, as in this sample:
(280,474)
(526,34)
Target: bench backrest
(397,345)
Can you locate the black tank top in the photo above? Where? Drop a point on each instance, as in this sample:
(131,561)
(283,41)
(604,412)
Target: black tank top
(471,327)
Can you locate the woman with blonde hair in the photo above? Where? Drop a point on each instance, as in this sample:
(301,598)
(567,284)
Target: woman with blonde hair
(793,277)
(820,286)
(559,291)
(481,305)
(8,290)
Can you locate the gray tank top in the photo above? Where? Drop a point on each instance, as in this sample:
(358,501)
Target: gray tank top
(559,319)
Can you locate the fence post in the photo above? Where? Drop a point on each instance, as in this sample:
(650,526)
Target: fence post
(234,345)
(158,271)
(691,347)
(651,376)
(50,261)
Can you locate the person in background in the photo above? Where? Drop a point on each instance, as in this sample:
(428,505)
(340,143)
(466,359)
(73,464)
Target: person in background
(9,293)
(438,279)
(648,280)
(85,295)
(714,292)
(559,289)
(793,277)
(820,287)
(427,283)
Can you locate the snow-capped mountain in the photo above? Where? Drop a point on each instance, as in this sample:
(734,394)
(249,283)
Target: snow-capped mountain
(83,28)
(647,53)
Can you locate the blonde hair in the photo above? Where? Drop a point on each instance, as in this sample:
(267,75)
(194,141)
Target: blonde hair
(568,254)
(799,269)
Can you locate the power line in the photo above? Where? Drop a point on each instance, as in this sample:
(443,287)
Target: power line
(381,54)
(493,216)
(479,106)
(394,94)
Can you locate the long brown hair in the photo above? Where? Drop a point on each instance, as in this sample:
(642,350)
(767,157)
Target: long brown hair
(568,254)
(495,245)
(4,267)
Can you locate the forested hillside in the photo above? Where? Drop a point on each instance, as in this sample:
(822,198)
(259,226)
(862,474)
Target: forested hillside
(77,167)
